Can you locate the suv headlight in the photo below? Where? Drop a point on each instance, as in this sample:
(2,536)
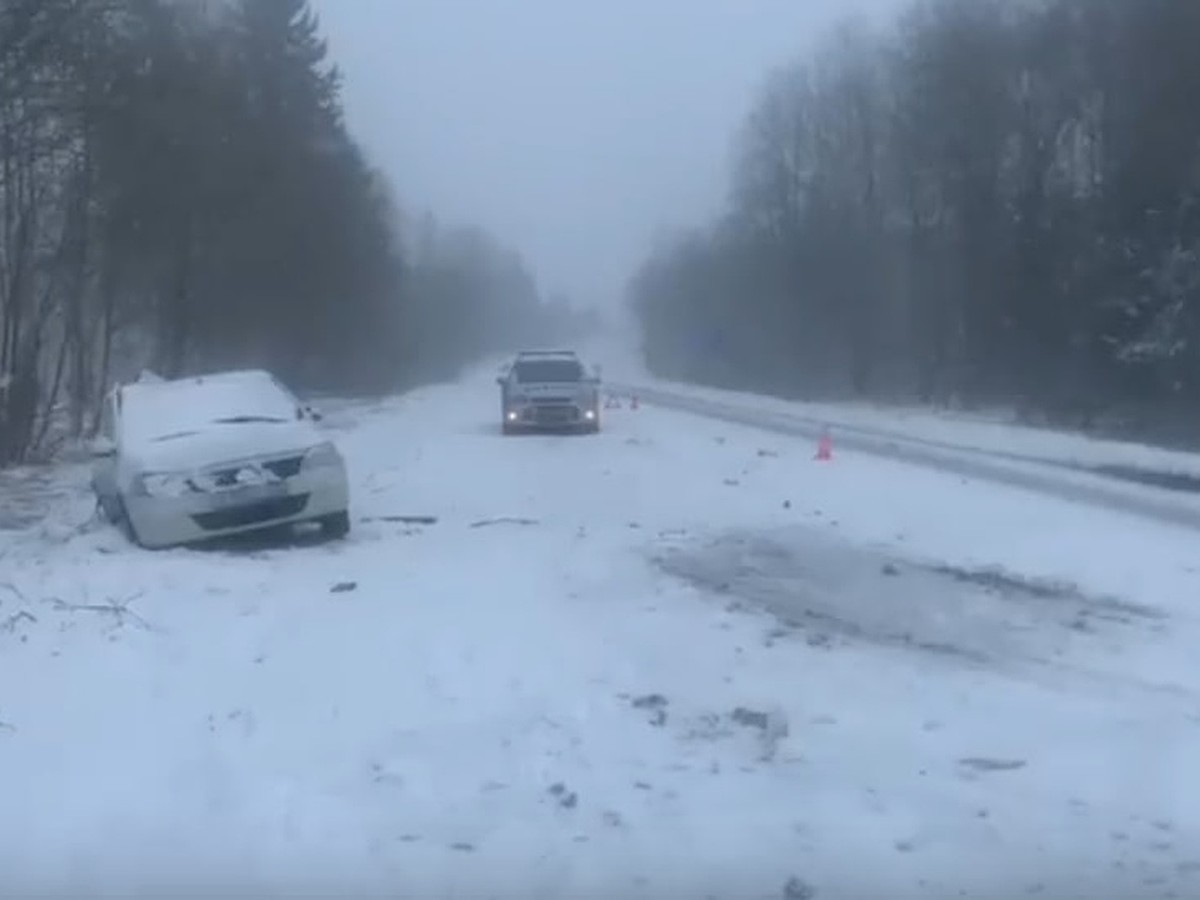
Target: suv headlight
(163,484)
(321,456)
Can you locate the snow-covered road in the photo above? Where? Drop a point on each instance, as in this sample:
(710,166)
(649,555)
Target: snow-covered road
(679,658)
(1067,479)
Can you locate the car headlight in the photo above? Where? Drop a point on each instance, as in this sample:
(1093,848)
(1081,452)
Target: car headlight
(321,456)
(164,484)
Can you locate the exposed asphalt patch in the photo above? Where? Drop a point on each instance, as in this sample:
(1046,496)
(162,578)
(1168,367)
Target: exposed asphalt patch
(835,592)
(1004,583)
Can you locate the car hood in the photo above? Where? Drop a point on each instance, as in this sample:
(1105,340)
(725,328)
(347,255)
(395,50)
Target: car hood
(222,443)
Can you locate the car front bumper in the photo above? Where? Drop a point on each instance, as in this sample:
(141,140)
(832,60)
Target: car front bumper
(551,416)
(199,515)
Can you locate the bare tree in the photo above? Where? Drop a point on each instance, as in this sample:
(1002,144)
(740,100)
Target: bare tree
(978,203)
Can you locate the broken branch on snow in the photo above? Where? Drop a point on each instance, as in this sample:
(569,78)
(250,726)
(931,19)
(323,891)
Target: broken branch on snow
(10,624)
(118,609)
(503,520)
(405,520)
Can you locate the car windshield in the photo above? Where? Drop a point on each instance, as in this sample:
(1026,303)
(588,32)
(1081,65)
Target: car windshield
(165,412)
(542,370)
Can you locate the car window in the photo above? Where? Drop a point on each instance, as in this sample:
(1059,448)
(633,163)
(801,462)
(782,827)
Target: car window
(538,370)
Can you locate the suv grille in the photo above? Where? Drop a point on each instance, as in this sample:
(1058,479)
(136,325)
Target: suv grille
(555,415)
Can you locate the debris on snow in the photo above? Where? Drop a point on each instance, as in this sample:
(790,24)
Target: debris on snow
(504,520)
(797,889)
(657,704)
(404,520)
(119,610)
(613,819)
(985,764)
(381,775)
(10,624)
(566,799)
(750,718)
(649,701)
(13,589)
(343,587)
(772,728)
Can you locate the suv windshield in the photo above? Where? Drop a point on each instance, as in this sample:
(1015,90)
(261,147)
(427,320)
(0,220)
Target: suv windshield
(543,370)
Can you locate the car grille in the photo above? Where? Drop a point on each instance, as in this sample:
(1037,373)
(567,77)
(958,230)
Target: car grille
(252,513)
(285,467)
(555,415)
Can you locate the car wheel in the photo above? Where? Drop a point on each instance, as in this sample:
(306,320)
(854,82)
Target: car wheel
(335,526)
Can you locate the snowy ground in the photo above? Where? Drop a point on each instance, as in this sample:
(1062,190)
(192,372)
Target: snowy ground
(676,659)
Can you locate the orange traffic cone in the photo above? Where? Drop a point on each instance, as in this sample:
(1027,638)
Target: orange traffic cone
(825,447)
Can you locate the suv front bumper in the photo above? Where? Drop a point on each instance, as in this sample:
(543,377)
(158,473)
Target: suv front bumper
(551,415)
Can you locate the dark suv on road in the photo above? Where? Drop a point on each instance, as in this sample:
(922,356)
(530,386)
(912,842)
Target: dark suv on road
(549,389)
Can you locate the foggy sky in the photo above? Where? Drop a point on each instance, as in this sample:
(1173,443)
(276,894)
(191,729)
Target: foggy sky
(575,130)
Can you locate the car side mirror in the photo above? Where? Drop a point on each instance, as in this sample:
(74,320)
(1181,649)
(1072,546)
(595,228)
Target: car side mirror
(500,379)
(102,448)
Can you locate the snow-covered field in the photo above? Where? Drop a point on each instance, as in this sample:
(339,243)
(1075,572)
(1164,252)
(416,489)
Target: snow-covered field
(679,658)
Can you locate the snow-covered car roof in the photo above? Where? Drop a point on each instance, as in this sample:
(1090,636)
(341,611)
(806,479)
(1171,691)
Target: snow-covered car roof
(153,410)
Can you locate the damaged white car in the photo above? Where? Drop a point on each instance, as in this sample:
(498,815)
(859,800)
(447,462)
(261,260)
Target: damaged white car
(182,461)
